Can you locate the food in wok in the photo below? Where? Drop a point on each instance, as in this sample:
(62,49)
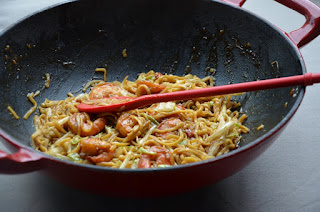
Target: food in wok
(160,135)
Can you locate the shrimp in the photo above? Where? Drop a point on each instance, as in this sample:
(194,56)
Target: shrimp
(106,90)
(125,124)
(166,124)
(154,87)
(96,150)
(172,121)
(80,124)
(189,129)
(93,146)
(162,156)
(103,157)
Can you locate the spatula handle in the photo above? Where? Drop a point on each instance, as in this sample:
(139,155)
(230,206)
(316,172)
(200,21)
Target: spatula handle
(306,79)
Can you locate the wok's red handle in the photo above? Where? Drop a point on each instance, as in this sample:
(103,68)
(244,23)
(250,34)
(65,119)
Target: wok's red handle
(238,3)
(311,28)
(20,162)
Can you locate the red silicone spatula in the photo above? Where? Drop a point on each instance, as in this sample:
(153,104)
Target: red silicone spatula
(132,103)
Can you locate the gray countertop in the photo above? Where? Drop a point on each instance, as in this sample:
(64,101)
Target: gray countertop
(284,178)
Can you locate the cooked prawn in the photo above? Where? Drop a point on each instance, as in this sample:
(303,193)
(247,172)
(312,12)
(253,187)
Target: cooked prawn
(93,146)
(154,87)
(172,121)
(106,90)
(125,124)
(103,157)
(167,124)
(80,124)
(189,129)
(162,156)
(96,150)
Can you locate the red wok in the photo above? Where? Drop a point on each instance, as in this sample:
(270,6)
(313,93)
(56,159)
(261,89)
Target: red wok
(177,37)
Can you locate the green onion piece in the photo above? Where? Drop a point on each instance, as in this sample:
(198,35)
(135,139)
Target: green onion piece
(62,157)
(211,104)
(118,163)
(135,164)
(108,129)
(99,135)
(141,77)
(144,151)
(76,140)
(238,124)
(150,77)
(74,156)
(153,120)
(150,118)
(183,142)
(233,135)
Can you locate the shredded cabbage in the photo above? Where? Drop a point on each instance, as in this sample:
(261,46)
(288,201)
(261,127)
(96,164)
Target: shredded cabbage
(76,139)
(166,107)
(74,156)
(163,165)
(143,150)
(126,160)
(150,131)
(221,131)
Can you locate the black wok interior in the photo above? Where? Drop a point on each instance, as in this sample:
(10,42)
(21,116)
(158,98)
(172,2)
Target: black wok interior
(174,37)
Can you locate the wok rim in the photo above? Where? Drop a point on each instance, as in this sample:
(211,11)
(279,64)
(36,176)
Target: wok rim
(48,158)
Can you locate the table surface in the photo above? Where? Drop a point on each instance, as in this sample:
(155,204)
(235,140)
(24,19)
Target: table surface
(284,178)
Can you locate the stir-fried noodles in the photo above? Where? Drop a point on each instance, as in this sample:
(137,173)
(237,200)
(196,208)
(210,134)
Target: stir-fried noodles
(160,135)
